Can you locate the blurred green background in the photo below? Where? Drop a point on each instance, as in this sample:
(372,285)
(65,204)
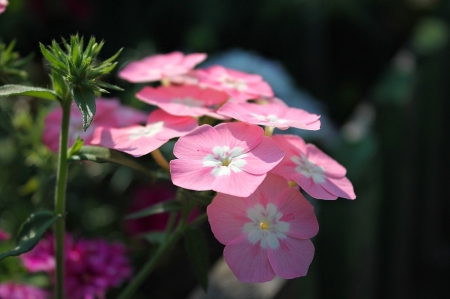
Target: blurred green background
(378,71)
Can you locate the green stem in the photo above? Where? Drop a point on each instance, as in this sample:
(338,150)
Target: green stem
(150,265)
(160,160)
(61,181)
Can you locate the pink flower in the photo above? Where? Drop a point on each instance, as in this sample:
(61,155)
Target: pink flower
(3,235)
(184,100)
(158,67)
(3,4)
(12,290)
(267,233)
(273,113)
(231,158)
(318,174)
(239,85)
(109,113)
(140,140)
(92,267)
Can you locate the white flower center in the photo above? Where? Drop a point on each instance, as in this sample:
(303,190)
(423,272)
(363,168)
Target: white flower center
(309,169)
(223,160)
(265,226)
(147,131)
(188,101)
(233,83)
(269,118)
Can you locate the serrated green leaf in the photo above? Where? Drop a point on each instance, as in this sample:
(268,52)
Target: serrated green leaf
(162,207)
(101,154)
(198,255)
(22,90)
(31,231)
(85,100)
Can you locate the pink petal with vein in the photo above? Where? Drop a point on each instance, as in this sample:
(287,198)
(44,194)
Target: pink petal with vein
(249,262)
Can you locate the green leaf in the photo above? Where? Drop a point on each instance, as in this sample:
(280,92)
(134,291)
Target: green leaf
(59,85)
(201,199)
(22,90)
(162,207)
(101,154)
(155,237)
(198,255)
(85,100)
(31,232)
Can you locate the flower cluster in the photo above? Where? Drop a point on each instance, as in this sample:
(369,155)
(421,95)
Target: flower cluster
(3,4)
(12,290)
(217,114)
(92,266)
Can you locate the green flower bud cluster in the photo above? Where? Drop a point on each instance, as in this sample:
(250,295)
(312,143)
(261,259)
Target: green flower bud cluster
(75,66)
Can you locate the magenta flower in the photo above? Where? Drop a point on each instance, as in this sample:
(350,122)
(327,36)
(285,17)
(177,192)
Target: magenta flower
(231,158)
(109,113)
(318,174)
(3,235)
(141,140)
(12,290)
(3,4)
(273,113)
(161,66)
(92,267)
(267,233)
(184,100)
(239,85)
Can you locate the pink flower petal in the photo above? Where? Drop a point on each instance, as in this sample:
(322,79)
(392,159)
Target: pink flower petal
(332,167)
(266,151)
(240,135)
(299,213)
(249,262)
(240,184)
(292,258)
(197,143)
(341,187)
(227,215)
(312,188)
(190,174)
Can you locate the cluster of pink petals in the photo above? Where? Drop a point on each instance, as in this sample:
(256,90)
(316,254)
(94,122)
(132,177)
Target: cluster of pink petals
(109,113)
(185,100)
(3,4)
(3,235)
(161,66)
(314,171)
(12,290)
(272,113)
(140,140)
(239,85)
(267,233)
(231,158)
(92,267)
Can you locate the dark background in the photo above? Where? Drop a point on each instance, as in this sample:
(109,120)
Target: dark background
(378,67)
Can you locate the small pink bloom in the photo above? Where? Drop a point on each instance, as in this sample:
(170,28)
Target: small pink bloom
(3,235)
(267,233)
(157,67)
(318,174)
(239,85)
(109,113)
(3,4)
(12,290)
(141,140)
(232,158)
(273,113)
(92,267)
(184,100)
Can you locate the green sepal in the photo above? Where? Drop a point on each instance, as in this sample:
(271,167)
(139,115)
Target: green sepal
(31,231)
(162,207)
(198,255)
(22,90)
(85,100)
(76,147)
